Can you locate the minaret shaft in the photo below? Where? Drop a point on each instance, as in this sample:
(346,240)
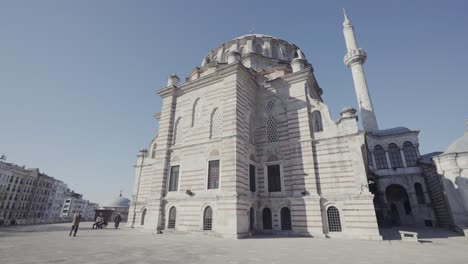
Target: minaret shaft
(355,59)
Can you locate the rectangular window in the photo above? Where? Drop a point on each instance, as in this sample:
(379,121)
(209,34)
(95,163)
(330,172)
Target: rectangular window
(213,174)
(174,178)
(274,178)
(252,177)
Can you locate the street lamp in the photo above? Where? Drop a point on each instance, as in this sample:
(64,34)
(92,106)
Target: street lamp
(142,155)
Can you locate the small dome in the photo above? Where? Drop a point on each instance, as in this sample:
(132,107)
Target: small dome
(117,202)
(459,145)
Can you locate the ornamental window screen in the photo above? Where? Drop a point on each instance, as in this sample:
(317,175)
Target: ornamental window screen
(285,219)
(267,221)
(380,158)
(172,218)
(213,174)
(174,178)
(317,124)
(274,178)
(215,128)
(252,130)
(395,156)
(334,222)
(196,113)
(208,219)
(410,153)
(419,193)
(177,132)
(258,49)
(270,105)
(271,129)
(252,177)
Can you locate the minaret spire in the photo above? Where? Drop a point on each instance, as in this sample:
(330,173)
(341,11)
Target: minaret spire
(354,59)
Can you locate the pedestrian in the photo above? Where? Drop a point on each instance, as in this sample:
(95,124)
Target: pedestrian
(75,223)
(117,220)
(99,222)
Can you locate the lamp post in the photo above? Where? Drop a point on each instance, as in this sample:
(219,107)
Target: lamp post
(142,154)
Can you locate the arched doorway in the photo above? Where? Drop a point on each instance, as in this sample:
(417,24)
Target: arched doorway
(143,215)
(208,219)
(400,211)
(285,219)
(267,221)
(172,218)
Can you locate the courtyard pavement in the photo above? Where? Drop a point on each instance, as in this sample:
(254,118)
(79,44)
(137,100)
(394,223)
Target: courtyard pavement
(51,244)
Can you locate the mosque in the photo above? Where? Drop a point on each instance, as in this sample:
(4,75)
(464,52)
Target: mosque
(247,145)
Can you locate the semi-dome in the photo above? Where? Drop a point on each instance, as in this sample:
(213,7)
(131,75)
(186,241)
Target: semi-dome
(459,145)
(260,45)
(117,202)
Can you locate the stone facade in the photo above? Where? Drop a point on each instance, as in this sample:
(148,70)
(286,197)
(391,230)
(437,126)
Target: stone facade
(247,145)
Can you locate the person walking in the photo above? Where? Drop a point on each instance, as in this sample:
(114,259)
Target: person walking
(117,220)
(75,223)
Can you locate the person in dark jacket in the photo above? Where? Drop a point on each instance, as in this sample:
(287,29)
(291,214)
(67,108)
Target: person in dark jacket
(75,223)
(117,220)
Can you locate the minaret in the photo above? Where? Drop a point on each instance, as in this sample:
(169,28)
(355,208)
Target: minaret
(354,59)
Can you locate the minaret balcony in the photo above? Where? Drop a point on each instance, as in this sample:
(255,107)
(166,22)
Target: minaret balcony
(354,56)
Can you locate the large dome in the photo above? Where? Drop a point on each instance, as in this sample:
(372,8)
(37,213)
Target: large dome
(258,44)
(117,202)
(459,145)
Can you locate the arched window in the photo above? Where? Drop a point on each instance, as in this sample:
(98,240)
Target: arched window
(317,121)
(334,222)
(208,219)
(285,219)
(258,49)
(267,221)
(395,156)
(172,218)
(419,193)
(196,113)
(177,132)
(252,219)
(143,215)
(153,152)
(215,128)
(410,154)
(380,158)
(252,130)
(271,129)
(369,159)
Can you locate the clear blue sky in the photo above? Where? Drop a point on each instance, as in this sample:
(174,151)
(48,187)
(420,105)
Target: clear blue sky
(78,78)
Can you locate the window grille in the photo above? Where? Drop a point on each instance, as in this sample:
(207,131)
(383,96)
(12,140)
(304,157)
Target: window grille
(252,130)
(215,129)
(410,153)
(172,217)
(275,51)
(177,132)
(395,156)
(252,177)
(270,105)
(213,174)
(369,159)
(334,222)
(196,112)
(274,178)
(317,124)
(419,193)
(143,215)
(267,221)
(271,129)
(380,158)
(174,178)
(208,219)
(252,219)
(285,219)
